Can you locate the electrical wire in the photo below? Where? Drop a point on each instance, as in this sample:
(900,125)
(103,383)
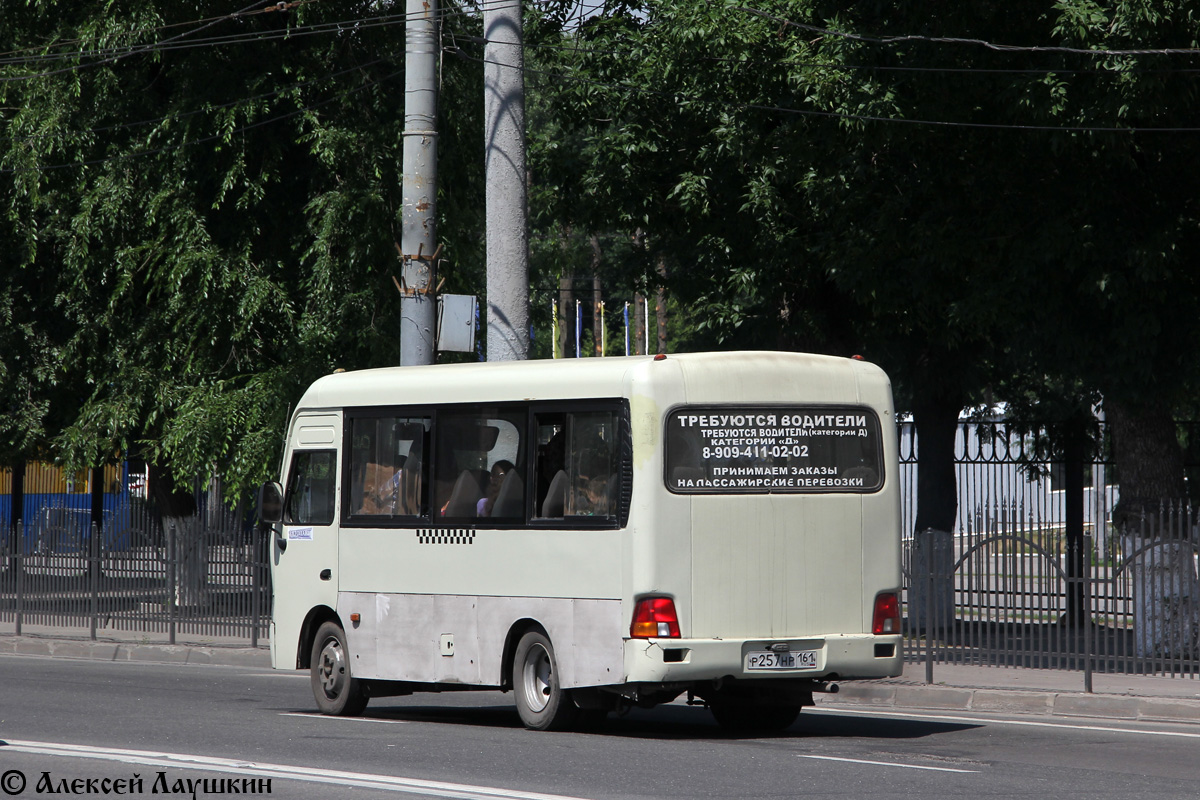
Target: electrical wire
(109,55)
(1099,72)
(851,116)
(195,112)
(131,52)
(561,76)
(270,8)
(1006,48)
(204,139)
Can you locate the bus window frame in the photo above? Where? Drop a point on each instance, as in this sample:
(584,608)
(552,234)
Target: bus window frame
(288,487)
(618,406)
(349,416)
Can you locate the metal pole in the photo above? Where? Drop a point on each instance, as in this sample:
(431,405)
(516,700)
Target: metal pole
(646,317)
(603,330)
(505,182)
(418,306)
(1087,613)
(255,588)
(929,619)
(94,578)
(19,562)
(172,581)
(627,328)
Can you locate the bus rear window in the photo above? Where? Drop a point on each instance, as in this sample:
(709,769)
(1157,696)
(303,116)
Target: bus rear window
(775,449)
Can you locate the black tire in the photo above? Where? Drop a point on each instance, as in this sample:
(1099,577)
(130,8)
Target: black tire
(741,715)
(541,701)
(337,691)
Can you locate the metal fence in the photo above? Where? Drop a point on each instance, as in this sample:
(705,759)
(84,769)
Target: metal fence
(201,576)
(1007,587)
(1010,588)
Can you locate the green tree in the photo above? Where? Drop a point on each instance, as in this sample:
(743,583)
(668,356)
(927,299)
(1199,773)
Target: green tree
(867,177)
(200,205)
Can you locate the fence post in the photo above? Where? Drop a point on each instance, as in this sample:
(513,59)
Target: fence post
(19,561)
(94,578)
(171,580)
(1087,613)
(929,622)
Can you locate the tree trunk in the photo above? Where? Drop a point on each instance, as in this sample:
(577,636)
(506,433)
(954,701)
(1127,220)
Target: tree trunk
(640,340)
(566,297)
(566,315)
(641,333)
(931,585)
(660,305)
(597,312)
(1166,589)
(187,550)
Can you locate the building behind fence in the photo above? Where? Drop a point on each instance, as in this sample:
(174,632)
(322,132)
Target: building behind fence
(1008,587)
(1004,588)
(61,566)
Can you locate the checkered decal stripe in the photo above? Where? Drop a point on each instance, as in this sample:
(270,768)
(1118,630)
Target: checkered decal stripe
(442,536)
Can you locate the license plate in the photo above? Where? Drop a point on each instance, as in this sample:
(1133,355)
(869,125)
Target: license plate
(769,659)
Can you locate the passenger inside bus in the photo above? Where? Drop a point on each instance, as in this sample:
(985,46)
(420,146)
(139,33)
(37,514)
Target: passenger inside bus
(496,479)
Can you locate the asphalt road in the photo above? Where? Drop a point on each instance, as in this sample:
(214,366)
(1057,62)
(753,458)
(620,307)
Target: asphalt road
(65,722)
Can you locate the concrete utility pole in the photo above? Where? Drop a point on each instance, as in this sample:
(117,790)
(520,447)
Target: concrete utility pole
(418,240)
(504,172)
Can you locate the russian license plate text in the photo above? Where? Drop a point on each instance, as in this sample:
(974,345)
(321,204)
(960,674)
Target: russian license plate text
(769,659)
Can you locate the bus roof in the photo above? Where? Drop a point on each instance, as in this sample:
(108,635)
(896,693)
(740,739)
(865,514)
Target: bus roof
(767,376)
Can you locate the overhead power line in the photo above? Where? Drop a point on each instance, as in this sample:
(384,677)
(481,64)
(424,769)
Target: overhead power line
(205,139)
(809,112)
(1005,48)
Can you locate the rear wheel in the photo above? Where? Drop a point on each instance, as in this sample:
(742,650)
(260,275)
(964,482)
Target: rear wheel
(338,693)
(541,701)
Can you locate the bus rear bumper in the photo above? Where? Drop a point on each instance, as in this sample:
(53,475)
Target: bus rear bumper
(819,658)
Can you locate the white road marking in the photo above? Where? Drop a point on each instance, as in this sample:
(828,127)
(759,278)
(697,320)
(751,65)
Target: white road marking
(996,721)
(313,715)
(886,764)
(228,766)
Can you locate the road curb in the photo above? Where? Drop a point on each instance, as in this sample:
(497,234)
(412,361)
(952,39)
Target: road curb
(900,696)
(1016,701)
(105,650)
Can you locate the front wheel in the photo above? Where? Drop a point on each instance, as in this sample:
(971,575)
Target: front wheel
(541,701)
(338,693)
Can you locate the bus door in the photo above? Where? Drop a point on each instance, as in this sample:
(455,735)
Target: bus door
(305,555)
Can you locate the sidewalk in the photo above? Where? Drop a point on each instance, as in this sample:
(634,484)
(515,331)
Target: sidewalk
(113,645)
(1039,692)
(956,688)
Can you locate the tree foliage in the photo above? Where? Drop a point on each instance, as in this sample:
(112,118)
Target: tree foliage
(977,196)
(200,205)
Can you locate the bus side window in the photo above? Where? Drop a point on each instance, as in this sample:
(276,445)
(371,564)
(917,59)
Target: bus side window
(388,466)
(479,470)
(577,467)
(310,491)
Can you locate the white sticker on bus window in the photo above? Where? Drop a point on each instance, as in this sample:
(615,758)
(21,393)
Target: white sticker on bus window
(300,534)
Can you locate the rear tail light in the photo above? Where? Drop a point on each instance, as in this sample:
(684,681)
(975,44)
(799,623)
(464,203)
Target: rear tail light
(655,618)
(887,614)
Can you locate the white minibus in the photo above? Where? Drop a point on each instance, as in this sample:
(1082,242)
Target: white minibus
(591,534)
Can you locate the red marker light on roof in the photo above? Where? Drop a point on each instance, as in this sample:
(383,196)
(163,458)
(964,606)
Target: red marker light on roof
(661,357)
(655,618)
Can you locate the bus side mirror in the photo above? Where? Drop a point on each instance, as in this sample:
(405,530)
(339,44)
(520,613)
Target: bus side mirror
(270,503)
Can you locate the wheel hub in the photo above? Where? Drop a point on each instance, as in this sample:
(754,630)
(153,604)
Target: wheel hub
(332,669)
